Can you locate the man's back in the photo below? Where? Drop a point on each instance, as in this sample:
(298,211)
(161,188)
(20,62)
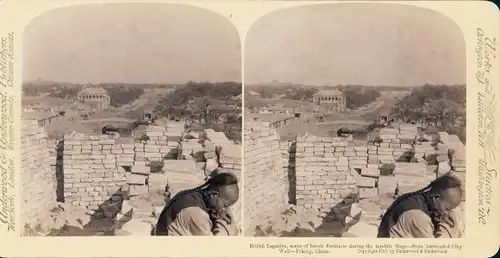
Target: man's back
(406,219)
(187,215)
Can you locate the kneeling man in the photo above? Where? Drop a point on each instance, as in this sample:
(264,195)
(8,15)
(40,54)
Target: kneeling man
(202,211)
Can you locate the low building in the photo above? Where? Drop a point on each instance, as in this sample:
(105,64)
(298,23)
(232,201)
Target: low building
(95,95)
(275,120)
(36,107)
(43,118)
(331,97)
(384,118)
(147,115)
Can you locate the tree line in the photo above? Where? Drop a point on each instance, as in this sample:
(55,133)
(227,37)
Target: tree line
(217,105)
(124,95)
(357,97)
(439,106)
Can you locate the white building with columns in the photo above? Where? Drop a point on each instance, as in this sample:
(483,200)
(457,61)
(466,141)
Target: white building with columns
(96,95)
(332,97)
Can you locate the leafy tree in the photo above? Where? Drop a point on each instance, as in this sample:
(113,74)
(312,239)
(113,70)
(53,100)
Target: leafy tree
(435,105)
(203,100)
(124,95)
(65,92)
(30,91)
(357,97)
(302,94)
(267,93)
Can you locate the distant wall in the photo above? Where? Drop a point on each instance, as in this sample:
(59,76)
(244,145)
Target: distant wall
(38,190)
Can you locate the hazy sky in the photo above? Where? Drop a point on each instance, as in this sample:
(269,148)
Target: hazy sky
(368,44)
(131,43)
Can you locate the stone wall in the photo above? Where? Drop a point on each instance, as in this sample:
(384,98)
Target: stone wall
(323,175)
(230,160)
(38,192)
(90,169)
(100,172)
(266,182)
(456,157)
(97,167)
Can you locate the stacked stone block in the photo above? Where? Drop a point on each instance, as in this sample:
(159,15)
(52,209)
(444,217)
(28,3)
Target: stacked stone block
(404,133)
(357,155)
(389,135)
(230,157)
(396,145)
(38,192)
(285,149)
(266,182)
(367,182)
(323,175)
(408,133)
(91,174)
(412,176)
(443,158)
(230,160)
(137,180)
(457,154)
(161,143)
(52,146)
(192,149)
(182,174)
(175,130)
(425,152)
(210,156)
(325,171)
(124,153)
(218,138)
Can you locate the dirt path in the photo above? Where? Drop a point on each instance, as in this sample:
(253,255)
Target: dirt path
(132,110)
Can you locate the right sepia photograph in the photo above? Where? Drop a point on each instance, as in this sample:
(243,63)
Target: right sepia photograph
(354,123)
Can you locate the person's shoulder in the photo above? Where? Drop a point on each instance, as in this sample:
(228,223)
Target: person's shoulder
(194,213)
(417,224)
(415,216)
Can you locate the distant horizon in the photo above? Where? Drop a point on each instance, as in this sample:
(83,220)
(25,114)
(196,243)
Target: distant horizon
(289,84)
(42,81)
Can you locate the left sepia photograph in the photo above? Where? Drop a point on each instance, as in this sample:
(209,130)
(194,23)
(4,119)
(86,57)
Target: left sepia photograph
(131,122)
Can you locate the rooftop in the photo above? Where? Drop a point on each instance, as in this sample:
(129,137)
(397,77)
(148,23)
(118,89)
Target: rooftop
(38,115)
(333,92)
(44,101)
(93,90)
(253,93)
(272,117)
(237,97)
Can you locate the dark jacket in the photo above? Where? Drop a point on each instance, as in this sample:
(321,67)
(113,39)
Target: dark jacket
(414,202)
(190,199)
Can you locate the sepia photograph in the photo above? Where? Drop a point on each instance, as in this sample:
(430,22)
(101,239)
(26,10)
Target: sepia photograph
(354,123)
(131,122)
